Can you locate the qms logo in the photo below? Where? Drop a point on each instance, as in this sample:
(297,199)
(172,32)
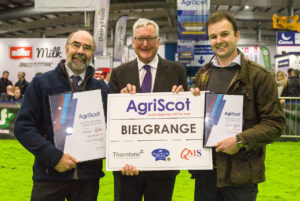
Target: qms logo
(190,153)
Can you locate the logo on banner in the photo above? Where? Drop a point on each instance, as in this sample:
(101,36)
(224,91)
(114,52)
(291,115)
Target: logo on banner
(161,154)
(193,2)
(5,117)
(285,38)
(190,153)
(158,105)
(128,155)
(20,52)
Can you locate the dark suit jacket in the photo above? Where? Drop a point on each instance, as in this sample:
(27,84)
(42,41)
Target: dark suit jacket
(168,74)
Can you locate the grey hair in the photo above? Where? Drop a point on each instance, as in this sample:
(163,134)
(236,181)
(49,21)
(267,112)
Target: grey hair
(143,22)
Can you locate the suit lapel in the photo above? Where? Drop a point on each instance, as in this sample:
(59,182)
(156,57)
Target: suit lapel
(134,75)
(161,76)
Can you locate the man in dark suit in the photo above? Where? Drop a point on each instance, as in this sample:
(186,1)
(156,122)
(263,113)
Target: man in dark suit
(4,82)
(148,73)
(22,82)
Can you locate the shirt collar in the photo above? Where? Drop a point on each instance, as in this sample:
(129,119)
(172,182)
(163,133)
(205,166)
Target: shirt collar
(153,63)
(71,73)
(235,61)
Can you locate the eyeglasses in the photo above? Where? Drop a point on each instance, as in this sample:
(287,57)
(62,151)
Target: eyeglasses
(148,39)
(77,45)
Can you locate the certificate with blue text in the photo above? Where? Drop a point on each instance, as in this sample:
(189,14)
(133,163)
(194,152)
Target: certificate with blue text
(156,131)
(79,124)
(223,117)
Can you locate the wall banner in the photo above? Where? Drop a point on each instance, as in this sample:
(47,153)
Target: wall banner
(120,38)
(100,28)
(67,5)
(192,16)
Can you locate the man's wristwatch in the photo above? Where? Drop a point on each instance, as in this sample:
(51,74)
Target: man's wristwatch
(239,142)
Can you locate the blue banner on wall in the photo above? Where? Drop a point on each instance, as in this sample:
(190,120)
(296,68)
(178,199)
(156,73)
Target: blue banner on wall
(192,16)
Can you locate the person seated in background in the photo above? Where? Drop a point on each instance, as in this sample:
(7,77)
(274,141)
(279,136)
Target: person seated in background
(9,94)
(17,94)
(281,80)
(22,83)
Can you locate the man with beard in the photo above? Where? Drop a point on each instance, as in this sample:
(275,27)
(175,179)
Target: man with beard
(239,160)
(57,175)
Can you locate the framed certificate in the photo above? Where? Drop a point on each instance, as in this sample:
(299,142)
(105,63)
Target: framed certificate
(156,131)
(79,124)
(223,117)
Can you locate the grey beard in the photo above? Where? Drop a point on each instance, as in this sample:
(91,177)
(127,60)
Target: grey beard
(77,68)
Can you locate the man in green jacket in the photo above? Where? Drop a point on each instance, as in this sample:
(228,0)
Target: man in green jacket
(238,161)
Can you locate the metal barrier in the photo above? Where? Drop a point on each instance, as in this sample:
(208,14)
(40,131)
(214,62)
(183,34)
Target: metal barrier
(291,108)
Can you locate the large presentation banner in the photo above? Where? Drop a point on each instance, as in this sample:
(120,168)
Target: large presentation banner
(156,131)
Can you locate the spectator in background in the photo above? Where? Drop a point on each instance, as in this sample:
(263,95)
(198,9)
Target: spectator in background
(290,72)
(4,82)
(9,94)
(107,78)
(17,94)
(22,83)
(282,81)
(293,85)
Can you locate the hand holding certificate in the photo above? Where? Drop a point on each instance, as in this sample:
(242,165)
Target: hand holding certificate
(79,124)
(223,117)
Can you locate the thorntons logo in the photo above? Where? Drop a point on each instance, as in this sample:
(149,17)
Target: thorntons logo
(20,52)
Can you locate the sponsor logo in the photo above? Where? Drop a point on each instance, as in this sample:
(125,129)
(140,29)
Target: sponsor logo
(232,114)
(5,117)
(48,52)
(128,155)
(187,154)
(89,115)
(193,2)
(158,105)
(20,52)
(161,154)
(283,42)
(285,37)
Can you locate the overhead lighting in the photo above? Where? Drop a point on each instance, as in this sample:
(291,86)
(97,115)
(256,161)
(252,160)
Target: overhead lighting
(247,7)
(11,5)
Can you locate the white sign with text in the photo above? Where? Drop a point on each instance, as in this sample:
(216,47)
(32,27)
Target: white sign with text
(156,131)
